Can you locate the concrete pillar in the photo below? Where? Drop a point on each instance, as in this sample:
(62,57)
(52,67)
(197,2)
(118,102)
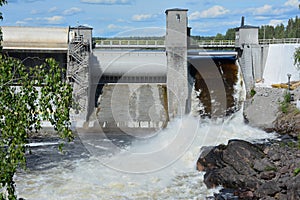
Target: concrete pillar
(247,46)
(177,72)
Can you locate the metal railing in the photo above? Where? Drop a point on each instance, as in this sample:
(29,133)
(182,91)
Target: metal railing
(213,43)
(76,72)
(280,41)
(130,44)
(198,43)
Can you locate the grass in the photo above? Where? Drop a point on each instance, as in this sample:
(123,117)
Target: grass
(296,171)
(270,168)
(284,105)
(252,92)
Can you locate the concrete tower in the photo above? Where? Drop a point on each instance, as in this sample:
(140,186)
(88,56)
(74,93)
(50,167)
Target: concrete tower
(177,72)
(247,46)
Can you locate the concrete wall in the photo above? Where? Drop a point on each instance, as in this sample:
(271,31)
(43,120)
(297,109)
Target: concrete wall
(279,63)
(246,35)
(177,75)
(250,56)
(128,63)
(250,62)
(122,64)
(268,64)
(39,38)
(132,106)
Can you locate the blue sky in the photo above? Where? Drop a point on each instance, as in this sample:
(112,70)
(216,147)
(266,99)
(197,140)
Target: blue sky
(110,18)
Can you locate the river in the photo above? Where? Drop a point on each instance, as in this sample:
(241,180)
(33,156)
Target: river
(159,166)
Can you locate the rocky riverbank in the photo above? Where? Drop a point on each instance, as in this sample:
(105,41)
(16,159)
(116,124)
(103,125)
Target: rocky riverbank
(253,171)
(264,111)
(259,171)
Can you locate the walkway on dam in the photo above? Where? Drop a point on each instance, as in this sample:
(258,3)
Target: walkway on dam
(160,44)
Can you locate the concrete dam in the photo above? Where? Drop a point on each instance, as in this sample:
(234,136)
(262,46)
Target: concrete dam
(138,88)
(131,91)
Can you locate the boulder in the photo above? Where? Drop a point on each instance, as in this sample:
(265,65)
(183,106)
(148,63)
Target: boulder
(262,110)
(253,171)
(231,166)
(269,188)
(293,188)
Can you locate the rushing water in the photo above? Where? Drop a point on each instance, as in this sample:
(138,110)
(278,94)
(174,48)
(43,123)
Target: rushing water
(162,166)
(91,178)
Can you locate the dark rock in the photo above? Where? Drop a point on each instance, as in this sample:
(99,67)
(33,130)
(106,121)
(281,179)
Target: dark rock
(204,151)
(275,157)
(283,181)
(268,175)
(253,171)
(229,178)
(267,198)
(284,169)
(281,196)
(269,188)
(293,188)
(288,123)
(231,166)
(263,165)
(226,194)
(212,159)
(241,155)
(286,138)
(246,195)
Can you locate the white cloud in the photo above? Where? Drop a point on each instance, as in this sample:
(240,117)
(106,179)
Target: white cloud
(292,3)
(72,11)
(261,18)
(53,9)
(141,17)
(121,20)
(54,19)
(34,12)
(212,12)
(212,27)
(275,22)
(106,2)
(21,23)
(262,10)
(28,19)
(144,32)
(112,26)
(268,10)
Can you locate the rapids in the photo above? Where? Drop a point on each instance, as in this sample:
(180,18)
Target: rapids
(162,166)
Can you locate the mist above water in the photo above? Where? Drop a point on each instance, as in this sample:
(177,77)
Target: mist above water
(162,166)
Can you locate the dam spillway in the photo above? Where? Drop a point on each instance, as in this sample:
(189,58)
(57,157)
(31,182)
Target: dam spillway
(130,86)
(128,66)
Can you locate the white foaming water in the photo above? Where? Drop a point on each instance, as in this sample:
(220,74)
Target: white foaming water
(176,178)
(239,88)
(160,167)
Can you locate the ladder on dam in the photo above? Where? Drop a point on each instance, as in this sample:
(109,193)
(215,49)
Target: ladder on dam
(77,72)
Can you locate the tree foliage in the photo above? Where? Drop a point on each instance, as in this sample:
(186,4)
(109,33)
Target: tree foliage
(292,30)
(23,107)
(297,58)
(27,97)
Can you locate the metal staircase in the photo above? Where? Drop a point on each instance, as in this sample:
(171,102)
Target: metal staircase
(77,72)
